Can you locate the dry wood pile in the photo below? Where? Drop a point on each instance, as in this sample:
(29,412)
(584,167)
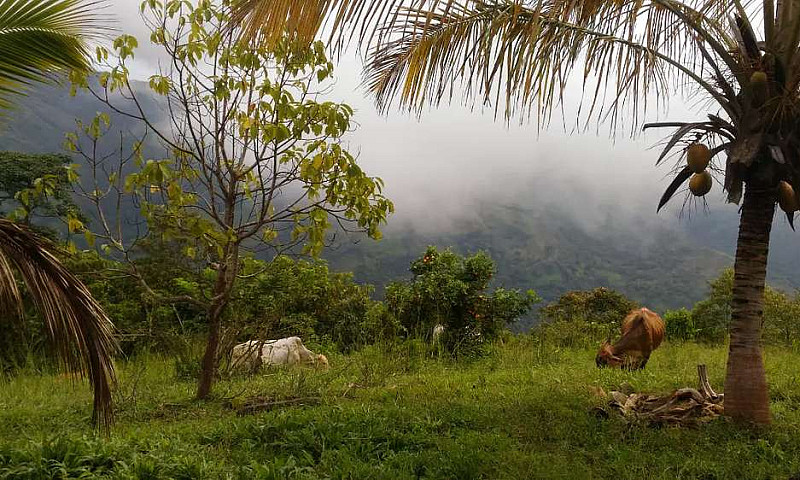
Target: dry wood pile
(686,406)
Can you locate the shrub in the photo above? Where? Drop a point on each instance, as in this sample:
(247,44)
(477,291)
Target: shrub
(712,316)
(679,324)
(450,290)
(285,297)
(781,318)
(583,318)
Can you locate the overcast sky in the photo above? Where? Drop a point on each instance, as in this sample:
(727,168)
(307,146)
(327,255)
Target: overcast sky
(452,157)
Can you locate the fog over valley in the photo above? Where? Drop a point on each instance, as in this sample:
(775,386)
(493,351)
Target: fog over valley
(558,208)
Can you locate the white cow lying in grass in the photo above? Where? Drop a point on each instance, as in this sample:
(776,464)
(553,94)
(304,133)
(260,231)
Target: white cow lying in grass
(286,351)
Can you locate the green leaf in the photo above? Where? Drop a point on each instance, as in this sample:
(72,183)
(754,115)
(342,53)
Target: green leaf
(74,225)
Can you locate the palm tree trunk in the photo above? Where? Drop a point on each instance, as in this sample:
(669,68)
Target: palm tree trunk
(746,394)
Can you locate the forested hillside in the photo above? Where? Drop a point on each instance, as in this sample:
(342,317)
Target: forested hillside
(547,250)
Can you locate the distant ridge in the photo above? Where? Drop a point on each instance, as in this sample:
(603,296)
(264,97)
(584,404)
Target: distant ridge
(535,244)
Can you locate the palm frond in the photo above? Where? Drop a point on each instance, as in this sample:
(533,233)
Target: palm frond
(518,54)
(673,187)
(272,19)
(715,126)
(78,328)
(520,57)
(42,37)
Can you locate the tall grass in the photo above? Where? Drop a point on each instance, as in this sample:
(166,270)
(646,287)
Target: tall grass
(525,410)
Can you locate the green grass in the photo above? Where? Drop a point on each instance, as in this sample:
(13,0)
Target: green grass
(522,412)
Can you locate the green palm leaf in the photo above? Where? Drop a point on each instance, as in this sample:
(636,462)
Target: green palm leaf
(41,37)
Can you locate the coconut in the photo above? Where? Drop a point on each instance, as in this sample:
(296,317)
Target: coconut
(758,79)
(700,184)
(698,156)
(787,199)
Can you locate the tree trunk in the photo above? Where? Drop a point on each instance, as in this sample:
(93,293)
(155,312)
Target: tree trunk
(221,295)
(746,394)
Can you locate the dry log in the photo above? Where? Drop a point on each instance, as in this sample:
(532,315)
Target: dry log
(705,385)
(683,406)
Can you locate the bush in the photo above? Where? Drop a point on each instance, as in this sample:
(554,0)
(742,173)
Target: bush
(679,324)
(781,318)
(584,318)
(285,297)
(450,290)
(712,316)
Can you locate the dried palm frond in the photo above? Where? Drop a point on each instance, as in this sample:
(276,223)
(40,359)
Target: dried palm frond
(519,53)
(79,330)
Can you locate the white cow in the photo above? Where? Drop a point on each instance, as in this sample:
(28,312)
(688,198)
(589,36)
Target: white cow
(286,351)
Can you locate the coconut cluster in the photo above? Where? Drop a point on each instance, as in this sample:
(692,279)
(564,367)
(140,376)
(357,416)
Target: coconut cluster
(698,156)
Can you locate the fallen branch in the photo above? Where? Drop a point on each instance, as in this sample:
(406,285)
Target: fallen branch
(705,386)
(260,405)
(683,406)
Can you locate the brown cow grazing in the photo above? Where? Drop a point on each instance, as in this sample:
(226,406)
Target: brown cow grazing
(642,332)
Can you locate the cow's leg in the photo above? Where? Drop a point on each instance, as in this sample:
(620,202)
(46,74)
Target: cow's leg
(642,364)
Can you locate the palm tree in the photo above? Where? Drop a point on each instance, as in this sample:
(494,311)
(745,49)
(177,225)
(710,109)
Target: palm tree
(40,38)
(520,55)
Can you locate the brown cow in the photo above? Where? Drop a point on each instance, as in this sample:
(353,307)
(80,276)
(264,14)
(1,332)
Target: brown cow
(642,332)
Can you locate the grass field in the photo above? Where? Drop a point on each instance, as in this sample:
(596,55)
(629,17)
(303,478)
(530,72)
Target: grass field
(524,411)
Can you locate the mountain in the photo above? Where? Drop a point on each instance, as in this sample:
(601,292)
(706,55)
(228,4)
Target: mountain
(537,243)
(549,251)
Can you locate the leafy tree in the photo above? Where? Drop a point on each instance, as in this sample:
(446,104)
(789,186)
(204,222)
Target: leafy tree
(520,53)
(37,39)
(586,316)
(21,173)
(712,316)
(450,290)
(253,159)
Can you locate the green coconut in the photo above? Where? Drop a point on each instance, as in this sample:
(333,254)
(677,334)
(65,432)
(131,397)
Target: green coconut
(700,184)
(758,79)
(698,156)
(787,199)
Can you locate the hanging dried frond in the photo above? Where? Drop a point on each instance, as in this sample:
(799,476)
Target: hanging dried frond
(75,323)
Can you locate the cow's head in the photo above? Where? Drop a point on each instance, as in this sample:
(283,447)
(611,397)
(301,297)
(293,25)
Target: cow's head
(606,358)
(322,361)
